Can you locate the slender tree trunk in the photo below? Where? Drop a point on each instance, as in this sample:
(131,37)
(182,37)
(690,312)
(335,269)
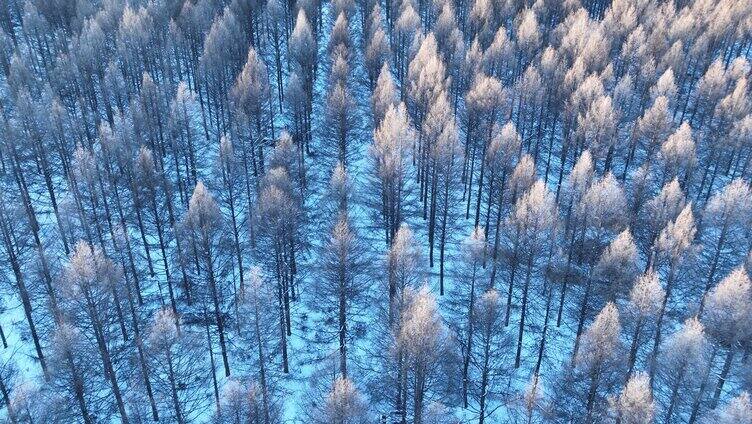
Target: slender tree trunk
(469,344)
(592,392)
(211,359)
(262,364)
(104,352)
(218,315)
(485,371)
(544,335)
(633,348)
(9,405)
(703,386)
(659,321)
(442,241)
(724,375)
(141,356)
(583,314)
(173,388)
(342,320)
(714,264)
(282,319)
(523,313)
(510,289)
(675,395)
(78,388)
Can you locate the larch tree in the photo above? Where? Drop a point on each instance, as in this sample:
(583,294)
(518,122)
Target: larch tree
(239,403)
(500,155)
(484,102)
(219,63)
(683,358)
(384,94)
(275,26)
(427,80)
(422,338)
(70,361)
(635,403)
(727,316)
(657,212)
(391,153)
(186,137)
(440,132)
(277,219)
(341,123)
(737,410)
(601,210)
(257,307)
(377,51)
(595,362)
(404,269)
(531,226)
(250,96)
(149,187)
(577,183)
(645,301)
(303,55)
(344,404)
(678,155)
(465,295)
(724,215)
(490,341)
(204,230)
(229,196)
(673,247)
(406,31)
(597,128)
(179,377)
(342,289)
(616,268)
(89,281)
(650,130)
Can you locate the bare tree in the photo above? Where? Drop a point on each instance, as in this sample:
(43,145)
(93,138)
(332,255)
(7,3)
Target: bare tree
(259,329)
(422,338)
(531,227)
(645,301)
(391,149)
(683,357)
(203,229)
(88,284)
(635,403)
(727,317)
(344,404)
(342,291)
(180,379)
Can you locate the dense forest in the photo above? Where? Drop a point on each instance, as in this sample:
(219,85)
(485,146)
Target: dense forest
(375,211)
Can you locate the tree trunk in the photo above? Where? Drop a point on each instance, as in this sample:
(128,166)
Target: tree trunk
(342,320)
(633,349)
(104,352)
(262,365)
(698,399)
(592,392)
(9,405)
(524,311)
(724,374)
(674,395)
(218,315)
(469,345)
(583,315)
(173,389)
